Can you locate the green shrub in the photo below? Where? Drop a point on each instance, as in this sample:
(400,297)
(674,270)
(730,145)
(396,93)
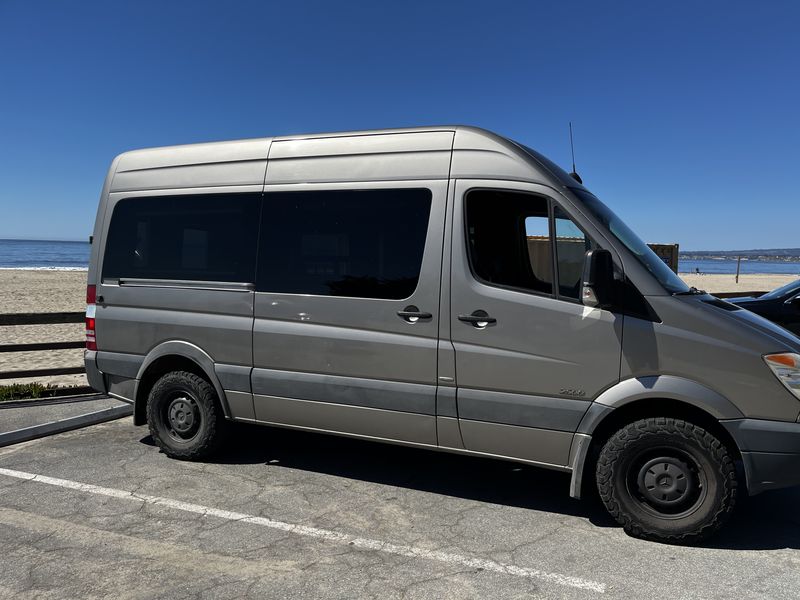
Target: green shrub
(22,391)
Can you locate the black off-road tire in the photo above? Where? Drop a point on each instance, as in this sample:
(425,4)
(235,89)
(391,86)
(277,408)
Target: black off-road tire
(639,474)
(185,417)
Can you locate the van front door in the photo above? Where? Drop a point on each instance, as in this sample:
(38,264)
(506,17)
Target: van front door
(347,308)
(529,356)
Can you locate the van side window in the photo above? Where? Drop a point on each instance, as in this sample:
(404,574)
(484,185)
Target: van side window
(354,243)
(571,247)
(537,237)
(508,236)
(198,237)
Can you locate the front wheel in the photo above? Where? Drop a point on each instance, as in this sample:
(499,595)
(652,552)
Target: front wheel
(667,480)
(184,416)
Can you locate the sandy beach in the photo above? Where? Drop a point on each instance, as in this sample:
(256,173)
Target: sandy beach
(717,284)
(42,291)
(65,291)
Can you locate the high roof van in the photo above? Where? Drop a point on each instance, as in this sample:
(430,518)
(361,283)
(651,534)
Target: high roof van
(439,287)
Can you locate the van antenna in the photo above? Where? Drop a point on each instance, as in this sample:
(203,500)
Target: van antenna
(574,173)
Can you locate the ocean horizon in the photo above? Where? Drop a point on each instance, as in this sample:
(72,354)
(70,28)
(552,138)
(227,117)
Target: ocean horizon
(715,266)
(49,255)
(44,255)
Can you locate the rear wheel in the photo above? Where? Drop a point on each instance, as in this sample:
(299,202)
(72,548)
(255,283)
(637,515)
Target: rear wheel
(184,416)
(667,480)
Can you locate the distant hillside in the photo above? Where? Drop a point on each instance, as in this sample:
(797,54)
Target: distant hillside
(788,254)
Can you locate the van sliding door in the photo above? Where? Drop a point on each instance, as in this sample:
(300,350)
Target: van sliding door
(347,307)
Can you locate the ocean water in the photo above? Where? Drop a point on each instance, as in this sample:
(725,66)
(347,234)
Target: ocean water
(712,266)
(41,254)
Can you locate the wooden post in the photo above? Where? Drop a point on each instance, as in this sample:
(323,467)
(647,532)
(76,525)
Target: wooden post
(738,263)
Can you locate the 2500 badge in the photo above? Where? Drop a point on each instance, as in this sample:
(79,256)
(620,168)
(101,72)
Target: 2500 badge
(572,392)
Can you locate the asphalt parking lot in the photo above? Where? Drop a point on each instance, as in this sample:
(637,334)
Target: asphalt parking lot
(100,512)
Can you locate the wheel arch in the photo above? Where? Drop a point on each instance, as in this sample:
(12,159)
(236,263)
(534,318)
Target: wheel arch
(640,398)
(173,356)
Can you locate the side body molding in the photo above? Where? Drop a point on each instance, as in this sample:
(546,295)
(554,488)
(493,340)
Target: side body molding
(190,351)
(625,392)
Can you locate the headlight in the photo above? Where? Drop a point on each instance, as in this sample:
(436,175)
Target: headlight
(786,368)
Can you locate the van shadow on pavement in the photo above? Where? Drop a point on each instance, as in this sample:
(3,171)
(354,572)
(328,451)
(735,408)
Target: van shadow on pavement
(765,522)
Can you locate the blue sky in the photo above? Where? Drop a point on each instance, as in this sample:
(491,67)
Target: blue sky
(686,114)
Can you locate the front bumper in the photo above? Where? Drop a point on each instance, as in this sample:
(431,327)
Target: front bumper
(770,452)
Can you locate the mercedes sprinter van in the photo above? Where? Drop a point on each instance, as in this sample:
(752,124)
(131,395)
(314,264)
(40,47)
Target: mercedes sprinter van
(439,287)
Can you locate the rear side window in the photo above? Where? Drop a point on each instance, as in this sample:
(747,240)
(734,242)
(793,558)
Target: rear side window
(208,237)
(355,243)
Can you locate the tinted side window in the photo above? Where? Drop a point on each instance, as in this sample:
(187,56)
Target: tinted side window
(508,238)
(192,237)
(571,247)
(356,243)
(537,235)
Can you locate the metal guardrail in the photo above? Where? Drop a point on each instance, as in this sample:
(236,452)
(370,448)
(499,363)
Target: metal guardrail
(11,319)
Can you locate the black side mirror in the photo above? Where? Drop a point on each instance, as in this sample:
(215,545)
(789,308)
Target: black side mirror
(598,278)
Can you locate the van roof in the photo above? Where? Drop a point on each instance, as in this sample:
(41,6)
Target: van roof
(435,152)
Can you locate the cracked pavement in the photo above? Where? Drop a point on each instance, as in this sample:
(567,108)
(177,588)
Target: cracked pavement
(66,543)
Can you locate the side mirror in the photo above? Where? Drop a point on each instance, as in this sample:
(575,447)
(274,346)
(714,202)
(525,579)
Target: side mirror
(598,278)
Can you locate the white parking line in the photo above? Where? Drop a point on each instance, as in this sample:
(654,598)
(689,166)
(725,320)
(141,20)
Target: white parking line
(317,533)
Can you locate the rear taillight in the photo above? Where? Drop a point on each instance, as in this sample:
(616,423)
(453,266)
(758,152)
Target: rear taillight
(91,297)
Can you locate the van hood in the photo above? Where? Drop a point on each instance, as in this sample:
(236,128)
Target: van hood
(784,340)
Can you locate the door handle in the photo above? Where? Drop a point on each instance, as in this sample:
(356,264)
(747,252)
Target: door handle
(412,314)
(478,318)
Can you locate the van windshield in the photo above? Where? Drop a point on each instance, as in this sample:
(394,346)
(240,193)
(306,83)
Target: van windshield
(665,276)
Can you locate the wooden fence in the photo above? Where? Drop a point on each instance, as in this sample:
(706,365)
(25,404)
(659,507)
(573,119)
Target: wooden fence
(41,319)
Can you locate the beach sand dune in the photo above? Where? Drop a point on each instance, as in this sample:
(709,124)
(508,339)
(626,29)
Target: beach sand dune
(65,291)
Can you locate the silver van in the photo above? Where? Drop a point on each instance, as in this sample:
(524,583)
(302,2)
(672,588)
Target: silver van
(438,287)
